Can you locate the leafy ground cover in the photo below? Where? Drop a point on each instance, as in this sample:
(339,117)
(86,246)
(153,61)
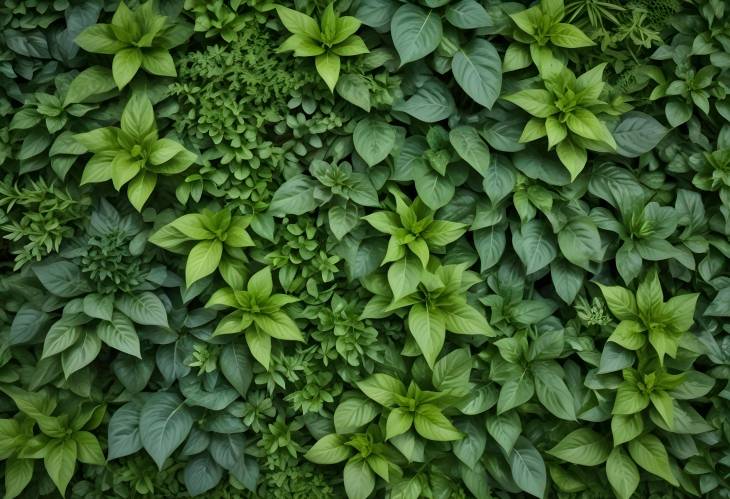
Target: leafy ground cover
(372,248)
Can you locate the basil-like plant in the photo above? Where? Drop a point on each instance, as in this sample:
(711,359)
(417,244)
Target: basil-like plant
(540,27)
(137,39)
(646,316)
(438,305)
(64,438)
(566,110)
(366,454)
(332,38)
(258,315)
(212,240)
(133,153)
(413,235)
(421,409)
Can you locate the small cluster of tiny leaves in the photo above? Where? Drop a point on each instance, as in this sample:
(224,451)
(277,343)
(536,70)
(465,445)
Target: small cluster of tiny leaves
(359,249)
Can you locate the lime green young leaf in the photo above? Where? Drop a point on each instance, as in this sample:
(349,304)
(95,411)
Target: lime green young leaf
(60,462)
(328,67)
(203,260)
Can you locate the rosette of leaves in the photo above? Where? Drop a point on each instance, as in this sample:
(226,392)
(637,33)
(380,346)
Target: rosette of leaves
(540,27)
(643,231)
(333,184)
(332,38)
(138,39)
(65,437)
(213,240)
(437,305)
(367,455)
(645,316)
(413,235)
(566,110)
(133,153)
(259,315)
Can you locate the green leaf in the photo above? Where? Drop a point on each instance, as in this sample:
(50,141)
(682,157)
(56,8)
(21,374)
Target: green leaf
(477,69)
(164,423)
(528,468)
(354,413)
(140,189)
(60,462)
(60,337)
(432,102)
(620,301)
(649,453)
(143,308)
(235,365)
(573,157)
(294,197)
(355,89)
(568,36)
(505,429)
(359,480)
(374,139)
(622,473)
(467,14)
(329,449)
(416,32)
(119,333)
(637,133)
(470,449)
(82,353)
(100,39)
(515,392)
(584,447)
(469,145)
(404,276)
(554,395)
(201,474)
(298,23)
(580,241)
(203,260)
(89,84)
(259,344)
(328,67)
(138,118)
(382,388)
(125,65)
(89,450)
(399,421)
(278,325)
(428,329)
(18,474)
(535,246)
(158,61)
(124,431)
(431,424)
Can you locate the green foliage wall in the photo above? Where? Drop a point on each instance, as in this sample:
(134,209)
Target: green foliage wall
(366,249)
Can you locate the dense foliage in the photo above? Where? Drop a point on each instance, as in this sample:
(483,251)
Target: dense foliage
(369,248)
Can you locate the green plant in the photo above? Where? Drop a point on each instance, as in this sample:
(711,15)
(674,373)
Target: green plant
(133,153)
(332,38)
(212,240)
(137,39)
(258,315)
